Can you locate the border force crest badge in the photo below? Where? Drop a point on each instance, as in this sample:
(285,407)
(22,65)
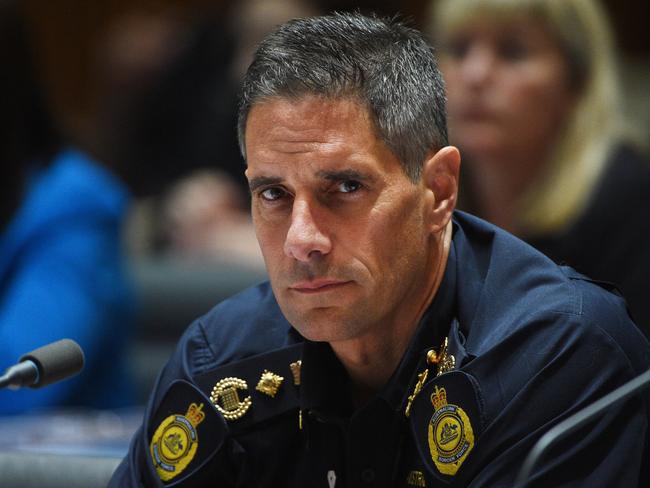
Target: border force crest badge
(450,434)
(184,433)
(446,422)
(175,441)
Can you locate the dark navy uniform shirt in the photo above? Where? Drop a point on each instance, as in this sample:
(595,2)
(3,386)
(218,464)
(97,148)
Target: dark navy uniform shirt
(528,344)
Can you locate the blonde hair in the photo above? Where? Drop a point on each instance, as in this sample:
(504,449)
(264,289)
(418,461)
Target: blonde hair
(596,124)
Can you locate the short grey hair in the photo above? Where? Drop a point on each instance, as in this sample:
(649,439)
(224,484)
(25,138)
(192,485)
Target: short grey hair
(385,65)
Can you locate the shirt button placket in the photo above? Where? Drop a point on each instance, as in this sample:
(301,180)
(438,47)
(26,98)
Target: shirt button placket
(368,476)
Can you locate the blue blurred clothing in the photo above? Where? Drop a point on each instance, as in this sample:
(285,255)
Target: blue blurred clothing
(62,275)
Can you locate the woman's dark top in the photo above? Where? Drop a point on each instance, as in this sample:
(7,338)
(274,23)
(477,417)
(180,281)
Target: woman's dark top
(610,241)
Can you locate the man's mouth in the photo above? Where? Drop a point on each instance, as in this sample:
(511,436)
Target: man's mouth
(317,286)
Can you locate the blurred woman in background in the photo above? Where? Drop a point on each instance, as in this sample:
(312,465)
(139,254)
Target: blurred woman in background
(534,105)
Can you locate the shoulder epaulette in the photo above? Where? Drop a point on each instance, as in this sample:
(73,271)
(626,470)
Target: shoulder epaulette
(255,389)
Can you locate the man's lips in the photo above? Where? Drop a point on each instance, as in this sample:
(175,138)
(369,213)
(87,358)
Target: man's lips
(317,286)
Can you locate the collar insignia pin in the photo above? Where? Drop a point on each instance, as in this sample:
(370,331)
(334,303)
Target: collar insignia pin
(422,377)
(295,371)
(416,478)
(269,383)
(444,361)
(225,398)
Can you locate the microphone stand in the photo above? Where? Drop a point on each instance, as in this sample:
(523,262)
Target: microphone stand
(577,420)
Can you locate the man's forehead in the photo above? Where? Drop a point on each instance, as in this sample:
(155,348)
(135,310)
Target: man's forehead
(311,110)
(307,125)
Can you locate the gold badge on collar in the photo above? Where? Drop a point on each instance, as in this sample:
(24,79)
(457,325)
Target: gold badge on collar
(175,441)
(416,478)
(422,377)
(451,437)
(269,383)
(295,371)
(444,361)
(225,398)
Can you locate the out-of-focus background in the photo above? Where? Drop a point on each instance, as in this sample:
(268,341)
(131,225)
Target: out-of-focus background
(142,96)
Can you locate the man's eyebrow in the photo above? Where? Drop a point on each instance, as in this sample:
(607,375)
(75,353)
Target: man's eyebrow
(345,174)
(258,181)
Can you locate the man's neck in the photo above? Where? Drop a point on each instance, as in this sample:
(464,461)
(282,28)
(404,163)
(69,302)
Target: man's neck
(371,360)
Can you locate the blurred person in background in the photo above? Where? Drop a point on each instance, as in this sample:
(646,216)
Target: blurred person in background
(205,215)
(534,105)
(170,106)
(61,256)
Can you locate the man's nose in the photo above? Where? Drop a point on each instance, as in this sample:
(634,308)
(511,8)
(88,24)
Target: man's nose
(305,237)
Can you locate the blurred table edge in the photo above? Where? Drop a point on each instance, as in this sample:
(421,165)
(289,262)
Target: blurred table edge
(46,470)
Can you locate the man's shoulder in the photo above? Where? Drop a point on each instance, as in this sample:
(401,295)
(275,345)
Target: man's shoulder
(500,275)
(604,317)
(246,324)
(513,285)
(242,355)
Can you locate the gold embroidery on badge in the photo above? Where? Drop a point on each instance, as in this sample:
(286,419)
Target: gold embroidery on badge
(269,383)
(451,437)
(175,441)
(225,398)
(415,478)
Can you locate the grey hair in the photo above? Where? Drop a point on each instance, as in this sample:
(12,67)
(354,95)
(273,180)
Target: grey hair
(386,66)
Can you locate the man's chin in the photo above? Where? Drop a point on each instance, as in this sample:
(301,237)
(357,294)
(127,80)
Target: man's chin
(322,324)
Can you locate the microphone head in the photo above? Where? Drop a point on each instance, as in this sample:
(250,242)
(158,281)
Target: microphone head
(56,361)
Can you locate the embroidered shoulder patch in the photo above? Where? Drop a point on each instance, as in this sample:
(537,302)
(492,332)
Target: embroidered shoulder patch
(188,432)
(450,434)
(175,441)
(446,422)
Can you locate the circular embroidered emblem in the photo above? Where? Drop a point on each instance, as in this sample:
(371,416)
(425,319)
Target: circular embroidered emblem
(451,437)
(175,441)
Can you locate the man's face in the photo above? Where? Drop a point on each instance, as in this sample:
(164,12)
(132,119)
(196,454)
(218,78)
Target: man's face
(342,229)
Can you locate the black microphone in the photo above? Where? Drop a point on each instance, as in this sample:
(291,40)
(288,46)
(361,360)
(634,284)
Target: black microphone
(45,365)
(577,420)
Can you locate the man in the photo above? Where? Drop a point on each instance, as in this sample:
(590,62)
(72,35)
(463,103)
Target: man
(398,343)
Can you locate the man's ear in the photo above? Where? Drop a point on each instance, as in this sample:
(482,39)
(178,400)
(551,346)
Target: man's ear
(440,178)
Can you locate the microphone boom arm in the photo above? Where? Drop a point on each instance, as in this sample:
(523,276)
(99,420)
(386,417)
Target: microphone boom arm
(577,420)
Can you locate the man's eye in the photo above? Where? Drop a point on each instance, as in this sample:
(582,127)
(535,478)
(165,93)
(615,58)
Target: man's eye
(349,186)
(272,194)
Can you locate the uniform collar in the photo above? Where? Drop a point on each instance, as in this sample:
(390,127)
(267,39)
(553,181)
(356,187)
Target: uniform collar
(325,381)
(430,333)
